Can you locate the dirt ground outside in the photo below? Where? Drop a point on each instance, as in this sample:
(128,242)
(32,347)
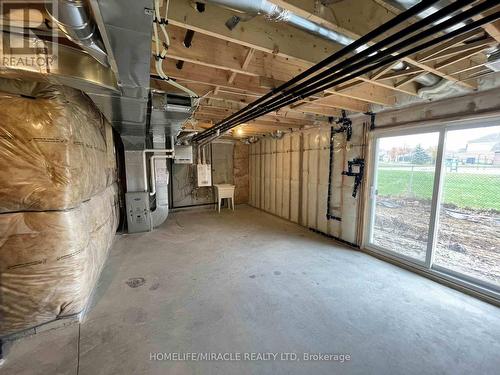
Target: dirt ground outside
(468,239)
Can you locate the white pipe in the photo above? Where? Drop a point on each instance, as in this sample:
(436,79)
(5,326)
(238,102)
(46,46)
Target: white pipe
(161,55)
(198,155)
(144,167)
(153,170)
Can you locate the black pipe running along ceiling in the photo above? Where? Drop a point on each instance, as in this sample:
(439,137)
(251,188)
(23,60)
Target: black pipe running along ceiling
(316,84)
(317,79)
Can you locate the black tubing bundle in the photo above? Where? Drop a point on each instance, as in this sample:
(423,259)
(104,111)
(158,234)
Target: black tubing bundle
(400,44)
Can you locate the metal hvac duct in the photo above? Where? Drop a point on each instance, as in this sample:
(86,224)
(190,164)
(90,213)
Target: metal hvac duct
(434,86)
(73,19)
(406,4)
(276,13)
(169,112)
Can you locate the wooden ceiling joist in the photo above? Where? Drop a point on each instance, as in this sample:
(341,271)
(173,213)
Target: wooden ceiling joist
(317,109)
(258,33)
(494,30)
(356,18)
(427,55)
(232,106)
(213,77)
(342,102)
(232,68)
(448,52)
(284,40)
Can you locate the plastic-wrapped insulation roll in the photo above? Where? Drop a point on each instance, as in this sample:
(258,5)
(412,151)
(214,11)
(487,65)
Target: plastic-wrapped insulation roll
(55,147)
(58,202)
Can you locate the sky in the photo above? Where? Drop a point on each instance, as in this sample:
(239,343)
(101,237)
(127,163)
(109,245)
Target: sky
(455,139)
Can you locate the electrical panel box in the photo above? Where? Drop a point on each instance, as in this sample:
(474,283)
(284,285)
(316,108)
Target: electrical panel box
(138,213)
(204,174)
(183,154)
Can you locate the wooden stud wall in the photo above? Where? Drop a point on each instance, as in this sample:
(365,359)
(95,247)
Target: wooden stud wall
(289,178)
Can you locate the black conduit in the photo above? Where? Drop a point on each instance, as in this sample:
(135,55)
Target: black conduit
(337,55)
(383,57)
(329,215)
(376,56)
(328,83)
(188,38)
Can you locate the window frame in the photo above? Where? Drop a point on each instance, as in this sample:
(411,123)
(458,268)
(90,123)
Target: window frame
(426,267)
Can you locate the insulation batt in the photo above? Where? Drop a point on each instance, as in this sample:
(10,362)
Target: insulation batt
(58,202)
(53,151)
(50,261)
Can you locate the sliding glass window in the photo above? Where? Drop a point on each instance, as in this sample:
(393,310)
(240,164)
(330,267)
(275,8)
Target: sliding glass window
(468,240)
(404,171)
(435,201)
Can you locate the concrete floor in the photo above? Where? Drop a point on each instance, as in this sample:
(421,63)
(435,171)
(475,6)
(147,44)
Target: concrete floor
(250,282)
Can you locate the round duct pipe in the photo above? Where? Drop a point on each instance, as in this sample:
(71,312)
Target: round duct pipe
(276,13)
(433,85)
(72,18)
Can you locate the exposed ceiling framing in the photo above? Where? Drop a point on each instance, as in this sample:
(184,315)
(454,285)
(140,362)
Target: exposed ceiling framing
(231,68)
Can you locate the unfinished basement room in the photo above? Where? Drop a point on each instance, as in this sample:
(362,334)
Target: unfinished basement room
(263,187)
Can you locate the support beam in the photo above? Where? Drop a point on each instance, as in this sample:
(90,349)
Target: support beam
(278,117)
(459,57)
(379,73)
(427,55)
(232,106)
(373,93)
(198,88)
(312,108)
(271,37)
(247,59)
(253,128)
(231,78)
(355,18)
(494,30)
(214,77)
(401,73)
(277,39)
(462,49)
(244,65)
(409,79)
(208,51)
(272,124)
(342,102)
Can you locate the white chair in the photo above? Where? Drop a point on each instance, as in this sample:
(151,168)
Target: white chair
(224,191)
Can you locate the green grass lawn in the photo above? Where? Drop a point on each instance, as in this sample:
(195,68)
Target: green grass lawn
(461,189)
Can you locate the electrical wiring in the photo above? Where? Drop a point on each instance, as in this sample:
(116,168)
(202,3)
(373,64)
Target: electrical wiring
(160,56)
(162,22)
